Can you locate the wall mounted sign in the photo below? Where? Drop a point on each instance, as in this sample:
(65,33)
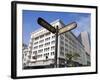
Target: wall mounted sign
(36,27)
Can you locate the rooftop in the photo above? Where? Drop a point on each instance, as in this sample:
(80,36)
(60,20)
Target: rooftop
(54,22)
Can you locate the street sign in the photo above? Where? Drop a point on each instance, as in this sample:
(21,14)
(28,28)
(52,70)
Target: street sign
(57,32)
(46,25)
(68,27)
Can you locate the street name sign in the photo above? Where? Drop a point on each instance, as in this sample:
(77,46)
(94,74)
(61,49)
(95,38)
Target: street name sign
(67,28)
(46,25)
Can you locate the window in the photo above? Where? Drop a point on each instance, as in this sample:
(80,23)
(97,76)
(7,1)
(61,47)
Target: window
(53,36)
(39,56)
(62,43)
(66,50)
(40,45)
(41,41)
(30,51)
(66,45)
(40,51)
(29,56)
(53,42)
(47,39)
(36,43)
(47,34)
(25,54)
(66,40)
(46,44)
(36,38)
(62,37)
(53,47)
(41,36)
(46,54)
(62,53)
(34,52)
(34,57)
(62,49)
(46,49)
(52,53)
(35,47)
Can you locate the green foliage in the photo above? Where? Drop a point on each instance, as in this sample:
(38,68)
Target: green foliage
(70,56)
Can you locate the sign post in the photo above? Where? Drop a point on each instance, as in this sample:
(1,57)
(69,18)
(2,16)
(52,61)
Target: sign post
(57,32)
(56,46)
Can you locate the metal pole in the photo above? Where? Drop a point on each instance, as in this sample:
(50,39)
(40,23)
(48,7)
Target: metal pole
(56,46)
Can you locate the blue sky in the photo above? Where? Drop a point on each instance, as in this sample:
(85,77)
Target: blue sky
(30,21)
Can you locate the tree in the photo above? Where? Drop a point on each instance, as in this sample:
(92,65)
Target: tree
(69,57)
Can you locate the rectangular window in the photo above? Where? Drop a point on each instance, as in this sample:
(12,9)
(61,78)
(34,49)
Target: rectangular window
(39,56)
(66,40)
(34,52)
(53,36)
(53,47)
(40,51)
(35,47)
(36,43)
(41,41)
(41,36)
(62,53)
(66,50)
(52,53)
(61,37)
(66,45)
(53,42)
(34,57)
(36,38)
(46,39)
(46,49)
(46,54)
(40,45)
(62,49)
(46,44)
(62,43)
(47,34)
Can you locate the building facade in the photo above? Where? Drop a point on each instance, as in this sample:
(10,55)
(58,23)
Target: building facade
(24,55)
(42,47)
(85,40)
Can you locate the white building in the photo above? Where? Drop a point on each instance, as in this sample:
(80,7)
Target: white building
(42,47)
(25,54)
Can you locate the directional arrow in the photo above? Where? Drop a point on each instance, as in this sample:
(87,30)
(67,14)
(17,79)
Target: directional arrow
(68,27)
(46,25)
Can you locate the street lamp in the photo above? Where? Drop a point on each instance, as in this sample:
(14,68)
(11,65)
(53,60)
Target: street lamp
(56,31)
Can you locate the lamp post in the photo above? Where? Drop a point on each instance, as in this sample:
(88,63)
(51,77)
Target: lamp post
(57,32)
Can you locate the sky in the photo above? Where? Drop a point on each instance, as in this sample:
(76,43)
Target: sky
(29,21)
